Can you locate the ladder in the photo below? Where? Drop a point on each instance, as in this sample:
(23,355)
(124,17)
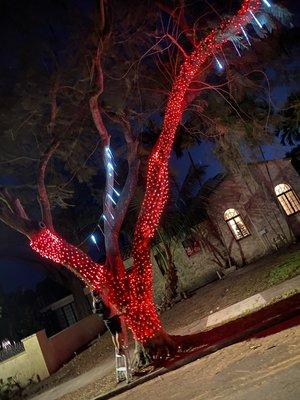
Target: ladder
(123,370)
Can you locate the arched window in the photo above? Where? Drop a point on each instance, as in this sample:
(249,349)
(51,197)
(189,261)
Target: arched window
(236,224)
(287,198)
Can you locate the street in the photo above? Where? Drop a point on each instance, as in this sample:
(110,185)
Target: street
(262,368)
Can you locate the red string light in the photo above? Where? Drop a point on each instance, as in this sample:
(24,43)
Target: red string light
(133,294)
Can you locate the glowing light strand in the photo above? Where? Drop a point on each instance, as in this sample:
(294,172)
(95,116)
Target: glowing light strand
(266,3)
(256,19)
(236,49)
(219,64)
(246,35)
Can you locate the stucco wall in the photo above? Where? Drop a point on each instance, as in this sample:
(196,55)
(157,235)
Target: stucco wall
(254,198)
(282,171)
(194,271)
(27,365)
(61,347)
(43,355)
(198,269)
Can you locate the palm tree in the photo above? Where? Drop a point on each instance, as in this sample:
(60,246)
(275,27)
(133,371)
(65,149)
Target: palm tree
(288,128)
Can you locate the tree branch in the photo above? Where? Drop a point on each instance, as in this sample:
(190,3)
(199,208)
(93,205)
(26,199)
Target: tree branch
(94,106)
(177,44)
(179,18)
(133,170)
(51,246)
(132,176)
(42,191)
(54,109)
(13,214)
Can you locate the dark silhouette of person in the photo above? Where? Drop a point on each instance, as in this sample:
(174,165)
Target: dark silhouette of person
(112,321)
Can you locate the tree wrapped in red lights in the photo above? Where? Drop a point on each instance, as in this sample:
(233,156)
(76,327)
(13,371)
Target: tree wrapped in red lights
(129,294)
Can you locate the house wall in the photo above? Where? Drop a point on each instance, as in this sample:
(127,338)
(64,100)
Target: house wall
(194,271)
(43,355)
(254,198)
(281,171)
(30,364)
(252,195)
(61,347)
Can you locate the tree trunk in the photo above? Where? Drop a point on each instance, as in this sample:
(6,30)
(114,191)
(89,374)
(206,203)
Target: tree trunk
(141,357)
(171,276)
(171,282)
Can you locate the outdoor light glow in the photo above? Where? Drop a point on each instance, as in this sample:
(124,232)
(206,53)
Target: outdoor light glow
(94,239)
(117,193)
(236,48)
(108,151)
(156,195)
(110,166)
(256,19)
(110,197)
(104,217)
(267,3)
(246,36)
(219,63)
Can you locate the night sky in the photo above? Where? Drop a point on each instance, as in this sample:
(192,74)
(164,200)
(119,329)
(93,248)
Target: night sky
(18,266)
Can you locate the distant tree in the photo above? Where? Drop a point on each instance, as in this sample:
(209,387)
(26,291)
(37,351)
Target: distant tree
(288,128)
(20,316)
(294,154)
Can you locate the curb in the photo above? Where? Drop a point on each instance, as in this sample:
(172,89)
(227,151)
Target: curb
(270,322)
(249,305)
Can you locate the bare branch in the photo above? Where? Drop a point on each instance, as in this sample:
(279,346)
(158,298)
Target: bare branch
(54,109)
(98,121)
(13,214)
(132,176)
(102,16)
(129,188)
(94,106)
(42,191)
(177,44)
(18,159)
(179,18)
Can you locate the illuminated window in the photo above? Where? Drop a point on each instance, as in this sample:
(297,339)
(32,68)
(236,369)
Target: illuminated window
(287,198)
(236,224)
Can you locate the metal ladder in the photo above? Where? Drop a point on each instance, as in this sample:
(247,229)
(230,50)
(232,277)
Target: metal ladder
(123,370)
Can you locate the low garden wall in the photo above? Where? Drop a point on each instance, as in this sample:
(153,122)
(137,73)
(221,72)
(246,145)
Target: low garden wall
(42,355)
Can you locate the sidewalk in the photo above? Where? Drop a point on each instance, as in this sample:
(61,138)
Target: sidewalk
(231,313)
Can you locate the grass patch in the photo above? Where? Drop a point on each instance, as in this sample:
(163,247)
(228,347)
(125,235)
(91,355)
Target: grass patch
(285,271)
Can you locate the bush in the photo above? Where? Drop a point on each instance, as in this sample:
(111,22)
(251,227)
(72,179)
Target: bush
(285,271)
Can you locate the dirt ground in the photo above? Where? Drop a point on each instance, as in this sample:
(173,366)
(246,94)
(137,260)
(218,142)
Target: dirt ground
(243,283)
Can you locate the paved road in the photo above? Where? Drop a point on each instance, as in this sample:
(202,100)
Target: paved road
(264,368)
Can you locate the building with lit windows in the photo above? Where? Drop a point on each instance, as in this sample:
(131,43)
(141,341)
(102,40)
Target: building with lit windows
(248,215)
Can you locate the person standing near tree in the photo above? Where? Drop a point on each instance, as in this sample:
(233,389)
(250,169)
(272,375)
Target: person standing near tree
(112,321)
